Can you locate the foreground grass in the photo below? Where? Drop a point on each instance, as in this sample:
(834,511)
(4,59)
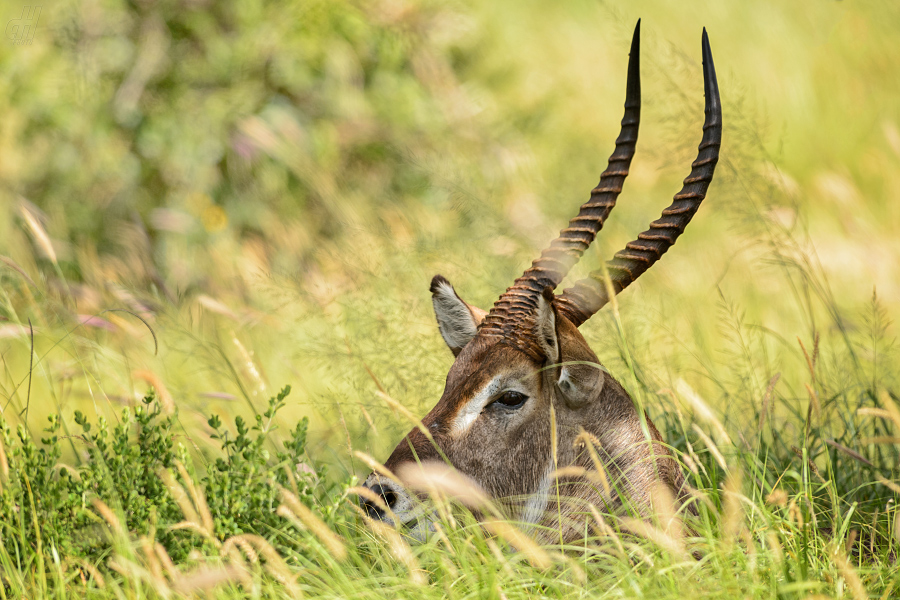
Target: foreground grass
(140,517)
(173,228)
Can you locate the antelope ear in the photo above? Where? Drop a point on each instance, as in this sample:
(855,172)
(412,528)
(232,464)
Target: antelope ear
(580,383)
(545,326)
(579,377)
(457,320)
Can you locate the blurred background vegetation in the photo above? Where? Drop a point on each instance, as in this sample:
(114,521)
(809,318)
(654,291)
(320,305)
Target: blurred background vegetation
(271,186)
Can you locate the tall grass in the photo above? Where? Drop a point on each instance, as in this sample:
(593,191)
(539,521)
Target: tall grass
(212,202)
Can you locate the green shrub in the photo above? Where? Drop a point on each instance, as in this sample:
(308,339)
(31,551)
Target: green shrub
(46,505)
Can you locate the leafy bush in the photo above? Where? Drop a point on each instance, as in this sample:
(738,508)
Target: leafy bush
(47,506)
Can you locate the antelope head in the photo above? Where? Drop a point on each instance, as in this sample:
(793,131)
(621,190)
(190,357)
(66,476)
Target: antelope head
(523,372)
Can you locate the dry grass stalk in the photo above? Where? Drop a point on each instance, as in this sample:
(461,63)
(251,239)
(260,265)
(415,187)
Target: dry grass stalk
(15,267)
(150,557)
(400,550)
(231,545)
(14,330)
(4,464)
(250,367)
(851,540)
(205,579)
(689,462)
(199,501)
(375,466)
(439,530)
(872,532)
(38,231)
(850,576)
(747,538)
(72,471)
(577,572)
(192,526)
(775,546)
(663,503)
(733,514)
(611,293)
(812,513)
(874,412)
(851,453)
(498,555)
(397,407)
(442,484)
(671,544)
(367,417)
(891,408)
(570,471)
(701,497)
(714,450)
(881,439)
(794,514)
(346,429)
(131,570)
(777,498)
(213,305)
(814,401)
(330,539)
(93,572)
(591,443)
(520,541)
(442,480)
(810,362)
(897,524)
(888,484)
(375,499)
(162,393)
(274,565)
(165,560)
(192,519)
(109,516)
(603,529)
(809,463)
(703,411)
(764,411)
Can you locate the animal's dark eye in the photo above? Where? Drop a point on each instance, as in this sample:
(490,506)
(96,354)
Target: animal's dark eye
(511,399)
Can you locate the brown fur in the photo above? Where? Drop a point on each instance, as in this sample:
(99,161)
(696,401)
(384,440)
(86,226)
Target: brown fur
(508,452)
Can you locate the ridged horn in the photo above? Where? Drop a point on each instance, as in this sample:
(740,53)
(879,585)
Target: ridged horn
(589,295)
(555,262)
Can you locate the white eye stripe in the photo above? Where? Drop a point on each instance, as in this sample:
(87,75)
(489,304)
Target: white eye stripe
(469,412)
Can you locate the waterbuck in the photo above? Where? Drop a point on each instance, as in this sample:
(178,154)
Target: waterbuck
(523,372)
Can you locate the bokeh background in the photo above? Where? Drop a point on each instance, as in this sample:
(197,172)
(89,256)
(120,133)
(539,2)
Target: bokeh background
(270,187)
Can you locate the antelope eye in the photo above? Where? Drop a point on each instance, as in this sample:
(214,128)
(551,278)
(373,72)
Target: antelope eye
(511,399)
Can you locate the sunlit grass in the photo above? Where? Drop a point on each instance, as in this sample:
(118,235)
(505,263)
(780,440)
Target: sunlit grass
(268,205)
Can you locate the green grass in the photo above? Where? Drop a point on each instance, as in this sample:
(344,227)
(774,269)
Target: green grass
(251,195)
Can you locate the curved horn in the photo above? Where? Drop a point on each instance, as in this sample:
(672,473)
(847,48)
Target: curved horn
(563,252)
(589,295)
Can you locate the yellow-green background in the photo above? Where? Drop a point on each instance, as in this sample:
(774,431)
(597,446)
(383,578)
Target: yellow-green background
(271,186)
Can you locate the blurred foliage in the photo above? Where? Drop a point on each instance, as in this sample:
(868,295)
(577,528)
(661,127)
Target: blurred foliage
(210,196)
(270,186)
(194,117)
